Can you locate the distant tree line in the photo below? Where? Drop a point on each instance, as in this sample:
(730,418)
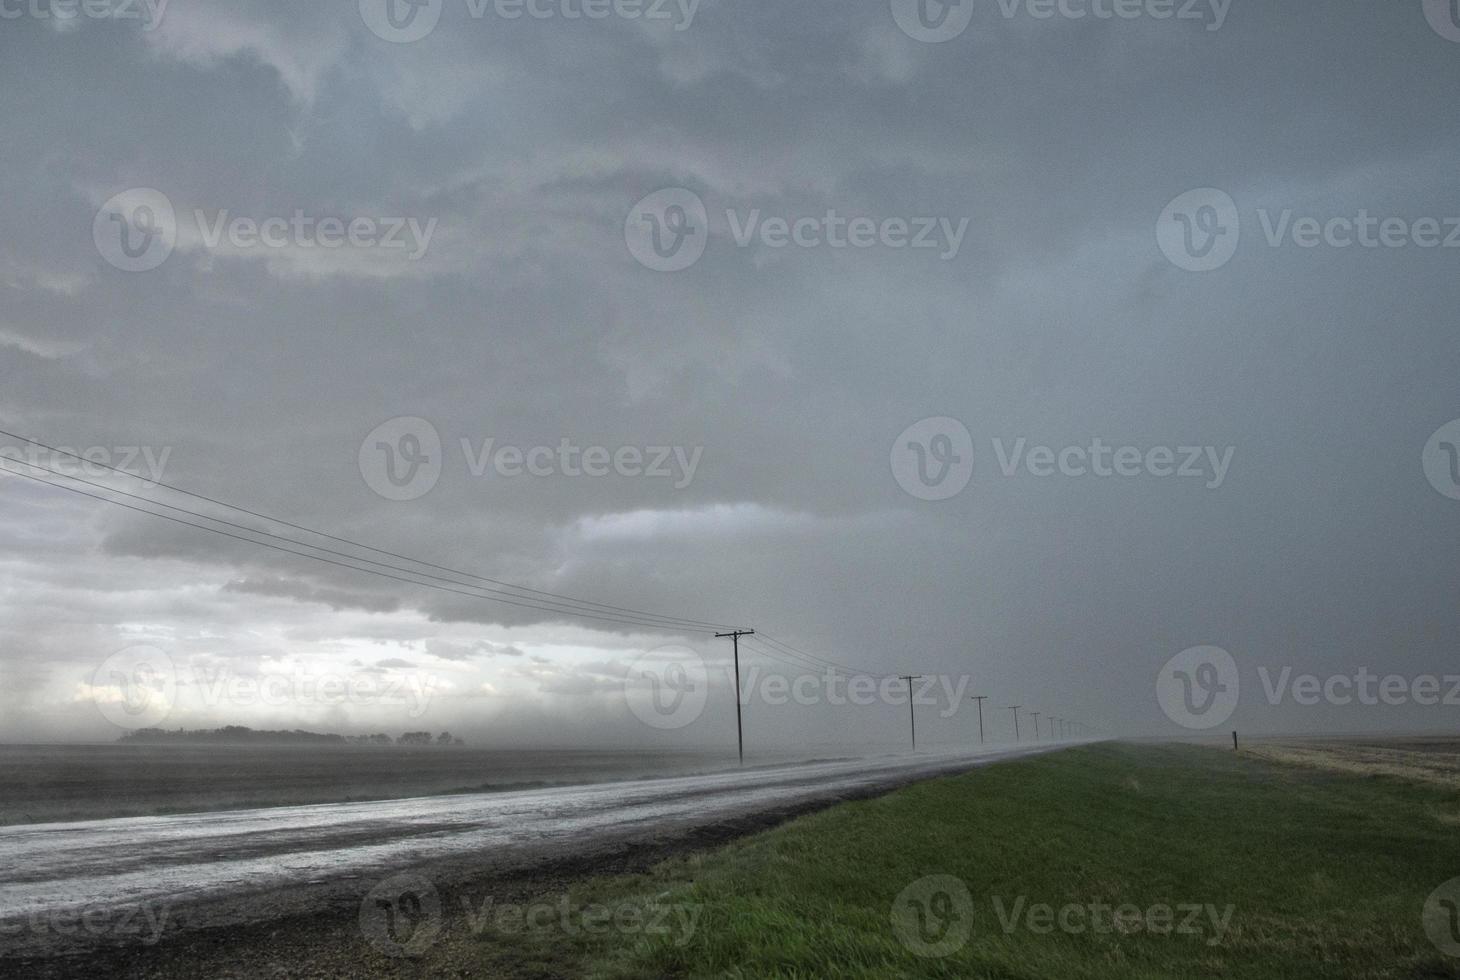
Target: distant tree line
(239,733)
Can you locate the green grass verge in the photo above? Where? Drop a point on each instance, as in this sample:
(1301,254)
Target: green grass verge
(1325,876)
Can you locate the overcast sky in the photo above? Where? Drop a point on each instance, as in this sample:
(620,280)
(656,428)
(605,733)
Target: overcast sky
(501,176)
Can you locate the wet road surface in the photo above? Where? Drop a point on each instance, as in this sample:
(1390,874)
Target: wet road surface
(70,884)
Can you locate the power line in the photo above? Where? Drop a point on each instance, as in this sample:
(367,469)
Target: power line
(522,596)
(602,617)
(776,650)
(822,661)
(494,593)
(553,596)
(784,658)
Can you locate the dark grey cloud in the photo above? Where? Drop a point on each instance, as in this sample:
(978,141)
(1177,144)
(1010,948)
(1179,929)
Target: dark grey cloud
(793,370)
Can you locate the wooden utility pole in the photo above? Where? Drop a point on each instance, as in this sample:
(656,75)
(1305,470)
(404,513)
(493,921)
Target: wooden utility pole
(1036,715)
(912,715)
(735,636)
(1015,708)
(980,698)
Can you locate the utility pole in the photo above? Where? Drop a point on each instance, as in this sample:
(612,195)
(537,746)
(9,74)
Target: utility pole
(980,698)
(735,636)
(1015,708)
(911,715)
(1036,724)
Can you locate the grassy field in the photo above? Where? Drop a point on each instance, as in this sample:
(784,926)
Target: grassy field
(1109,862)
(1426,760)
